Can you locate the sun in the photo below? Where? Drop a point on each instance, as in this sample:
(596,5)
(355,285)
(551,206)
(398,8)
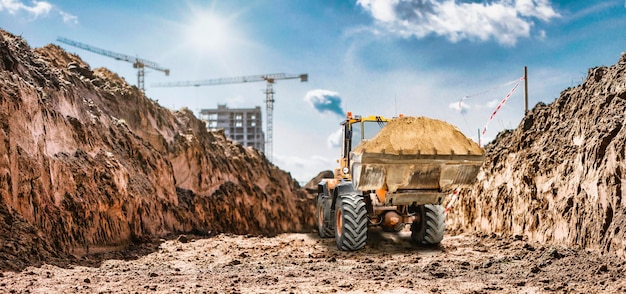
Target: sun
(219,35)
(210,33)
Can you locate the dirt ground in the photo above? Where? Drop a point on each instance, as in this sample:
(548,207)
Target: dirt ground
(304,263)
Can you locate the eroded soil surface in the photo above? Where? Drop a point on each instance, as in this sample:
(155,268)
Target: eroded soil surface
(304,263)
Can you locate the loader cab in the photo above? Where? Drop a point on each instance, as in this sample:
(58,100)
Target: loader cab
(362,131)
(356,129)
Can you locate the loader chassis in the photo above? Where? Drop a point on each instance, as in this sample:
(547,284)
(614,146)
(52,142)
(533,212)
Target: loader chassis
(343,212)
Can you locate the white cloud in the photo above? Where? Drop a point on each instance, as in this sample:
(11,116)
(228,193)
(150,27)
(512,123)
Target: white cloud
(460,106)
(36,9)
(540,9)
(463,108)
(493,103)
(334,139)
(381,10)
(304,168)
(68,18)
(503,20)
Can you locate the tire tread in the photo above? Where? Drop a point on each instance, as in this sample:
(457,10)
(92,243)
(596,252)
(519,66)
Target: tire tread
(429,230)
(354,223)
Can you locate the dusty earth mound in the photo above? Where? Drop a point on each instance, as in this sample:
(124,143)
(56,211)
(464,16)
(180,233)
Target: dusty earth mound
(420,135)
(311,186)
(559,177)
(89,164)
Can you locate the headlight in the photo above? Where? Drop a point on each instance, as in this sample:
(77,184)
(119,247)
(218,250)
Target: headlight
(346,170)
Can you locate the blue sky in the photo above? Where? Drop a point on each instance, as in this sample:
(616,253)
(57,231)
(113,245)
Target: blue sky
(383,57)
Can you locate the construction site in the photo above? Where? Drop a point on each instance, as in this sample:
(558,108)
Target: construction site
(103,190)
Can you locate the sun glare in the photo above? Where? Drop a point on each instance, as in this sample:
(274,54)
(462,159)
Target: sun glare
(210,33)
(216,35)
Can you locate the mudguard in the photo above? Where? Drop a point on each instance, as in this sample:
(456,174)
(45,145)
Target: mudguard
(341,189)
(322,188)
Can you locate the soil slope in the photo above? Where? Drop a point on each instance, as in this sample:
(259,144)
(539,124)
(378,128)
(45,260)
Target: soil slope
(89,164)
(311,185)
(559,177)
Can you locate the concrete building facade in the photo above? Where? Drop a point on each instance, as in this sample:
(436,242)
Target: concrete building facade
(241,125)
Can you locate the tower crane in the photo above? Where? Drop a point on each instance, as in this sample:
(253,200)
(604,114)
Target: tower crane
(137,62)
(269,95)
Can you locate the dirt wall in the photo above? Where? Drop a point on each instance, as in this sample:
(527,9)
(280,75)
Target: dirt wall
(88,163)
(559,177)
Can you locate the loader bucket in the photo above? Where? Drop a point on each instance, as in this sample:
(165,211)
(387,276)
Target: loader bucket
(415,153)
(373,171)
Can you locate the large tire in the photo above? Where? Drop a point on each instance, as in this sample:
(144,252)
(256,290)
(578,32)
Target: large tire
(431,225)
(351,222)
(324,219)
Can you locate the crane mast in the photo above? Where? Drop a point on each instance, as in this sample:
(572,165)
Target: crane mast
(269,120)
(269,96)
(138,63)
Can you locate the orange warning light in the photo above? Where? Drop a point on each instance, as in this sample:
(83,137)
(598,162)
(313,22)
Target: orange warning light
(349,114)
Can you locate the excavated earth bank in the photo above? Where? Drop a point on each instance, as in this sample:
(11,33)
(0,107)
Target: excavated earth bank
(89,164)
(559,177)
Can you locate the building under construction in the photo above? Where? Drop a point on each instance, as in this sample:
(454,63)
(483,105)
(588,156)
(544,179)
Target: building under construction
(241,125)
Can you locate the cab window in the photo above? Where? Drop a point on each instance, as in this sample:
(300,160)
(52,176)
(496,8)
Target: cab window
(356,135)
(371,128)
(364,131)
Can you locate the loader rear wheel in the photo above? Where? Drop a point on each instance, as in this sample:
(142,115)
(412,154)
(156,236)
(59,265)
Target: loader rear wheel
(324,227)
(431,225)
(351,222)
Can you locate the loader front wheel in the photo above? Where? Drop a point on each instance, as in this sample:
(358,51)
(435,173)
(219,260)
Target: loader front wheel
(431,225)
(324,228)
(351,222)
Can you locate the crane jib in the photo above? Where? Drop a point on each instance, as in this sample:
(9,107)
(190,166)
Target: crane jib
(269,95)
(137,62)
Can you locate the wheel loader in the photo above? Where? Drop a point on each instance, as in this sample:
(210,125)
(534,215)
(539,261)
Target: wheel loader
(392,187)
